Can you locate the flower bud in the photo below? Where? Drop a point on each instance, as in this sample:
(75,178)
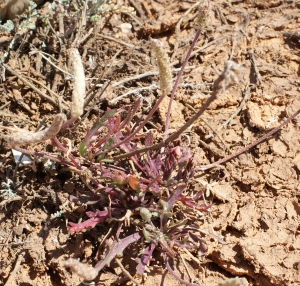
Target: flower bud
(145,214)
(79,84)
(204,16)
(164,67)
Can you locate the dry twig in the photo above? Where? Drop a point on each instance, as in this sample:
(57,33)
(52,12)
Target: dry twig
(126,272)
(252,57)
(11,278)
(4,105)
(177,29)
(245,97)
(138,9)
(43,95)
(248,147)
(221,15)
(121,82)
(49,61)
(134,91)
(50,91)
(119,42)
(16,243)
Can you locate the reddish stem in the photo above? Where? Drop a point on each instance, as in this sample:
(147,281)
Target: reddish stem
(42,155)
(248,147)
(141,125)
(68,123)
(178,79)
(65,150)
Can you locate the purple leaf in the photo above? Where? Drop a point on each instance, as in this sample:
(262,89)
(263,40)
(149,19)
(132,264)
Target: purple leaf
(73,199)
(98,213)
(202,247)
(189,202)
(90,223)
(117,248)
(112,122)
(94,218)
(100,142)
(130,113)
(100,122)
(175,197)
(146,256)
(148,140)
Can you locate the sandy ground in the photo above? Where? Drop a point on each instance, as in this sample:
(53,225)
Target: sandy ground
(255,197)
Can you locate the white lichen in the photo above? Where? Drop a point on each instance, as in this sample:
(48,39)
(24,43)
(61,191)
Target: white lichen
(6,193)
(7,27)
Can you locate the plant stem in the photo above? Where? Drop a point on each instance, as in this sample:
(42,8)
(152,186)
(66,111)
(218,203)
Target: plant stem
(178,79)
(216,87)
(141,125)
(263,138)
(41,155)
(65,150)
(68,123)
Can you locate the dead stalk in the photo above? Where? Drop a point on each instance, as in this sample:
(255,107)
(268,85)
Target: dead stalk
(139,76)
(263,138)
(43,95)
(84,271)
(178,79)
(27,137)
(10,280)
(126,272)
(203,20)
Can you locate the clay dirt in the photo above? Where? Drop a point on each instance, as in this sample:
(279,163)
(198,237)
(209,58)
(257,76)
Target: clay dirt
(255,212)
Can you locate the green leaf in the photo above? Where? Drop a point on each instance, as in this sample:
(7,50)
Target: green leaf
(82,149)
(101,158)
(107,161)
(146,235)
(99,123)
